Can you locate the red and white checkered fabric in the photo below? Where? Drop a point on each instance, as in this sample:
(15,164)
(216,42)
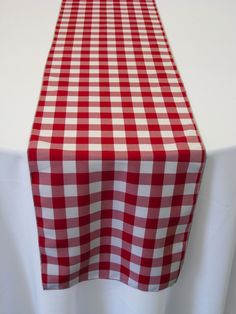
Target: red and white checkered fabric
(114,154)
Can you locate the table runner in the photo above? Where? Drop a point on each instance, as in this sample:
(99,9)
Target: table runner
(114,155)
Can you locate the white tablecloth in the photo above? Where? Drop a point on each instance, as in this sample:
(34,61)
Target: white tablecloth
(203,40)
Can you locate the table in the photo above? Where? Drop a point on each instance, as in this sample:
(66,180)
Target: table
(203,42)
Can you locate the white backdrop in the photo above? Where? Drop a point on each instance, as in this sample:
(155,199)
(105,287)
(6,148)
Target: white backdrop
(203,40)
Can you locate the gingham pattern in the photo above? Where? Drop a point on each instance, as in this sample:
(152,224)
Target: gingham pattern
(114,154)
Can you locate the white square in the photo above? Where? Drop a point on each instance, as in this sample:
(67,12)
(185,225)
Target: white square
(95,166)
(112,63)
(114,79)
(114,258)
(139,232)
(45,190)
(69,166)
(181,229)
(71,190)
(175,266)
(164,212)
(164,121)
(53,269)
(182,109)
(143,134)
(71,147)
(158,253)
(134,268)
(94,133)
(112,71)
(130,49)
(169,62)
(121,165)
(95,187)
(118,205)
(151,71)
(117,121)
(51,252)
(136,250)
(134,79)
(47,213)
(93,79)
(190,133)
(158,99)
(189,189)
(94,63)
(146,166)
(167,190)
(71,121)
(178,99)
(116,242)
(160,110)
(133,283)
(170,167)
(94,244)
(46,133)
(47,120)
(167,134)
(140,121)
(119,186)
(94,109)
(120,147)
(195,146)
(130,63)
(114,274)
(53,78)
(161,233)
(177,248)
(74,268)
(119,134)
(156,271)
(155,89)
(51,98)
(117,224)
(186,122)
(146,49)
(145,147)
(186,210)
(137,99)
(175,89)
(138,110)
(149,63)
(115,99)
(153,80)
(53,71)
(73,89)
(95,207)
(49,233)
(116,109)
(95,147)
(95,225)
(93,274)
(94,121)
(141,212)
(72,212)
(73,233)
(70,133)
(74,251)
(56,62)
(144,190)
